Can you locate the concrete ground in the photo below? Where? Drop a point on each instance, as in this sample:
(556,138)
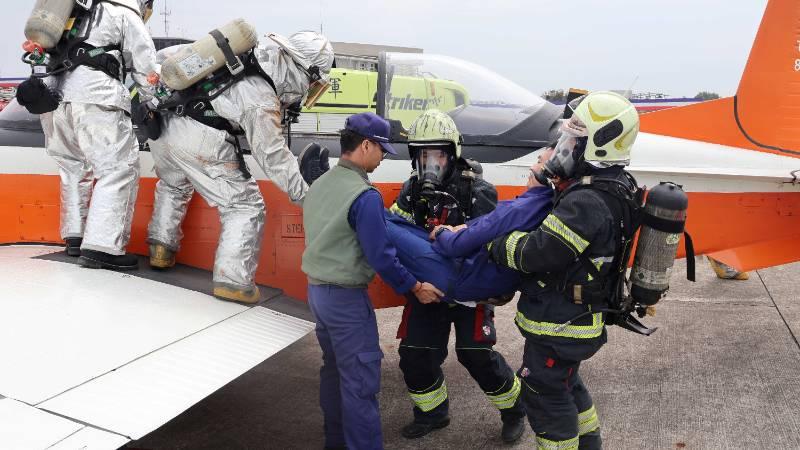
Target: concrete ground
(722,372)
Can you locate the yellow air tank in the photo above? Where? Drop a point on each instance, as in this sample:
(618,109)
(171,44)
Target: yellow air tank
(47,22)
(195,62)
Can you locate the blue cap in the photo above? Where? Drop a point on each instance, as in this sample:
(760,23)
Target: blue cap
(372,127)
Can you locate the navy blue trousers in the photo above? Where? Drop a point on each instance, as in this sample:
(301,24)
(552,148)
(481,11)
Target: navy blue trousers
(350,377)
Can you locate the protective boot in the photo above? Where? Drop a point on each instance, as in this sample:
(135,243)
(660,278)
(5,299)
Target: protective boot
(416,430)
(73,247)
(727,272)
(226,292)
(93,259)
(161,257)
(512,430)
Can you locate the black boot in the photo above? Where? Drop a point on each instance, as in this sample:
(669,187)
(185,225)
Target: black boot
(512,430)
(73,247)
(416,430)
(93,259)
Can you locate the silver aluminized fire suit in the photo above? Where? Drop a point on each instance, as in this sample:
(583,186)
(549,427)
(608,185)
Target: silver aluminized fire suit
(192,156)
(91,137)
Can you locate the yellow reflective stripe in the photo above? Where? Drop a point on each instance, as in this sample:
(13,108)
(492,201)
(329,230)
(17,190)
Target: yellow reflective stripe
(399,211)
(507,400)
(570,331)
(598,263)
(570,237)
(430,400)
(588,421)
(547,444)
(511,247)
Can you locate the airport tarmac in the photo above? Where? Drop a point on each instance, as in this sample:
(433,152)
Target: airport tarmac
(722,372)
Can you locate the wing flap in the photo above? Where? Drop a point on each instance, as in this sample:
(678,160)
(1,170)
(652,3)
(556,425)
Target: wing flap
(761,255)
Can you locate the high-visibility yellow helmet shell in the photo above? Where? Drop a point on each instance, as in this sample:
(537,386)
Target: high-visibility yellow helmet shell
(434,127)
(612,124)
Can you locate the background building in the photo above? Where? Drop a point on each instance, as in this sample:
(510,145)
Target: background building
(351,55)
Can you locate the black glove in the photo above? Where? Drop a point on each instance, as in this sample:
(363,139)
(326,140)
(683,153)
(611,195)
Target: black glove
(146,119)
(37,97)
(313,162)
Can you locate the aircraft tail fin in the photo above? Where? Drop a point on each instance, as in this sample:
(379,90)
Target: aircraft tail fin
(767,103)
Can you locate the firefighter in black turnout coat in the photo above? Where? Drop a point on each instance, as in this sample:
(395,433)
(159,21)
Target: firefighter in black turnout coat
(572,260)
(447,189)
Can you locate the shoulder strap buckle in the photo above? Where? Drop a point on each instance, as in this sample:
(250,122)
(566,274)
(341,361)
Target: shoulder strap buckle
(232,61)
(577,294)
(237,67)
(85,4)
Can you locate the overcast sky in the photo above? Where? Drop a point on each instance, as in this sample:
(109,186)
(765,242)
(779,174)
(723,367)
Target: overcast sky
(678,47)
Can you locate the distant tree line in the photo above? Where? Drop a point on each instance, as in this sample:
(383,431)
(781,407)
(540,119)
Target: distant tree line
(555,95)
(705,95)
(560,95)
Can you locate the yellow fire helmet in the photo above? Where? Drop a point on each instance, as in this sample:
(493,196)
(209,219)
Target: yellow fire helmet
(434,127)
(611,123)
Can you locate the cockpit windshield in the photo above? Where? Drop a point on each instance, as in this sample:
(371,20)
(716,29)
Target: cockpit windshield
(413,83)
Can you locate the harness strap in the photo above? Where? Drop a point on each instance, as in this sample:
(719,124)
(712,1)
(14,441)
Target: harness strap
(622,204)
(689,245)
(98,58)
(240,158)
(233,62)
(661,224)
(195,101)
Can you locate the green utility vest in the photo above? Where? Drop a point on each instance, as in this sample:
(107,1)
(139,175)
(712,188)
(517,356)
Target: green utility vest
(333,254)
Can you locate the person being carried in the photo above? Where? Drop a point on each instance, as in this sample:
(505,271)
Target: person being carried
(456,258)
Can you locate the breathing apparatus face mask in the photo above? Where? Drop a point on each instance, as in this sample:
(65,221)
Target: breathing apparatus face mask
(433,167)
(568,153)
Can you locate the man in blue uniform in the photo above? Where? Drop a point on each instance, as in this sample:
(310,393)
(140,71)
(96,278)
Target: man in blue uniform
(346,244)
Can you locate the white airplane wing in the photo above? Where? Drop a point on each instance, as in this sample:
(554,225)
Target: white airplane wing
(92,358)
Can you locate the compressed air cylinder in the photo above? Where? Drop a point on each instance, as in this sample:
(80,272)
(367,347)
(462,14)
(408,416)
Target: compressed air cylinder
(47,21)
(199,60)
(662,227)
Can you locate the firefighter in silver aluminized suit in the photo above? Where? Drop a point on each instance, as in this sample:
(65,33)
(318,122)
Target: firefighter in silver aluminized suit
(192,156)
(91,137)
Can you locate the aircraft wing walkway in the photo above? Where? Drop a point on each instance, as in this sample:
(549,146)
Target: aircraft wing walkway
(93,358)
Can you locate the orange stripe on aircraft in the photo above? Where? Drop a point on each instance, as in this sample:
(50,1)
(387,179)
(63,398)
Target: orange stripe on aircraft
(29,212)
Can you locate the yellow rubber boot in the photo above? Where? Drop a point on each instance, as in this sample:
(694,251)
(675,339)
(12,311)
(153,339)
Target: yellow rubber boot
(161,257)
(727,272)
(251,295)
